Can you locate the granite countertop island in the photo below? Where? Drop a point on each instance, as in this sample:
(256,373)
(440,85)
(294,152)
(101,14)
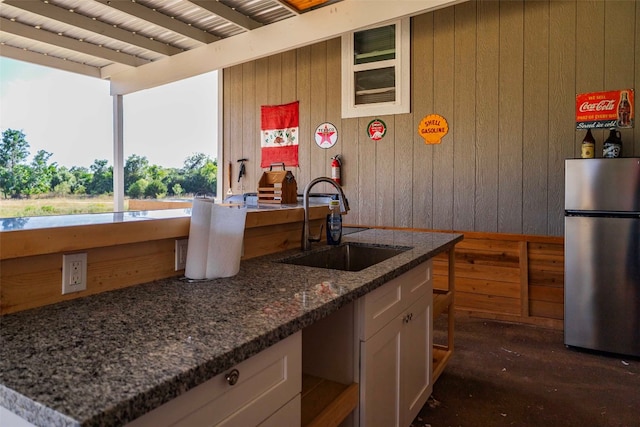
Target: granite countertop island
(107,359)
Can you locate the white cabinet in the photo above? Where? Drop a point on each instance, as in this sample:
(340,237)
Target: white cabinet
(287,416)
(416,359)
(266,392)
(395,349)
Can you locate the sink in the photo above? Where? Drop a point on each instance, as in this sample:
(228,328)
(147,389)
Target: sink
(347,257)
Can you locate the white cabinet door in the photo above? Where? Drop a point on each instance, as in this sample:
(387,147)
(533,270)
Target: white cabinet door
(396,365)
(380,377)
(416,358)
(384,304)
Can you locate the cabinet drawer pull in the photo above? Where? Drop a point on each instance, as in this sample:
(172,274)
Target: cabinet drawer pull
(232,377)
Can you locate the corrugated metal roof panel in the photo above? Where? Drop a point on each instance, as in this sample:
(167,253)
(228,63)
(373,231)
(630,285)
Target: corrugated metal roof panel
(263,11)
(47,50)
(141,30)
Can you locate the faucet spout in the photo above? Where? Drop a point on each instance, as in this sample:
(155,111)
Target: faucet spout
(344,207)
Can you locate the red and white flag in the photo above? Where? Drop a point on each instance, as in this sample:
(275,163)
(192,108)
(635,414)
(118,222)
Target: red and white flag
(279,135)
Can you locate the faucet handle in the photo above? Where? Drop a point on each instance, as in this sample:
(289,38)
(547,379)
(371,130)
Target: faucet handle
(344,205)
(317,237)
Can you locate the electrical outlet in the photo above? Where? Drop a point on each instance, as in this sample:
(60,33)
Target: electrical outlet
(74,273)
(181,253)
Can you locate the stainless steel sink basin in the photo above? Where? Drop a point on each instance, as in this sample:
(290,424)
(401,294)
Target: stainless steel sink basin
(347,257)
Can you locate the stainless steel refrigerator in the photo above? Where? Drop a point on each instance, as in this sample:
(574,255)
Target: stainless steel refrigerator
(602,255)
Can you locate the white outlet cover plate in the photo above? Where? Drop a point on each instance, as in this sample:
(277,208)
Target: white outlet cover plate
(181,254)
(68,262)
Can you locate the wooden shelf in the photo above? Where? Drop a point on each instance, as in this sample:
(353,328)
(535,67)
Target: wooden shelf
(441,301)
(441,356)
(326,402)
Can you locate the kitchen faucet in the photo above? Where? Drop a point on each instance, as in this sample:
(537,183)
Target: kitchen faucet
(344,208)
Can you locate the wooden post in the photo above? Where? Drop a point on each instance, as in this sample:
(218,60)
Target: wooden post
(451,310)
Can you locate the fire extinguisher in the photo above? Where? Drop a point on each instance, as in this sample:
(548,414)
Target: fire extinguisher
(336,163)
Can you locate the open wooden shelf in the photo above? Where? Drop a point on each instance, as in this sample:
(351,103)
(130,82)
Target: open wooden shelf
(441,301)
(441,356)
(326,402)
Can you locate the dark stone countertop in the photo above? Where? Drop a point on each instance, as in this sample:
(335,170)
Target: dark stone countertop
(106,359)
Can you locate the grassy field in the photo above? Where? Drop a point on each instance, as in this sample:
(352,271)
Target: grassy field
(10,208)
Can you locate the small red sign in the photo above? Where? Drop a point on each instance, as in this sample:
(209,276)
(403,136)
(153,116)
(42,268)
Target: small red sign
(605,110)
(376,129)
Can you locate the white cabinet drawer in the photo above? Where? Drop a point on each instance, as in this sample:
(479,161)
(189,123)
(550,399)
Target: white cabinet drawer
(417,283)
(379,307)
(266,382)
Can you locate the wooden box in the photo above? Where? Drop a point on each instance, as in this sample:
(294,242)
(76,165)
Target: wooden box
(277,187)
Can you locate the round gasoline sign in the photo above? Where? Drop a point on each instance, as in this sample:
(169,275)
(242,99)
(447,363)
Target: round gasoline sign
(376,129)
(326,135)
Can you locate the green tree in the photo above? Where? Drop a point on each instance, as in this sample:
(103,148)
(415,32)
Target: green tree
(195,161)
(83,179)
(102,179)
(19,181)
(137,189)
(200,174)
(63,181)
(177,190)
(175,181)
(17,178)
(14,174)
(155,190)
(41,173)
(135,169)
(156,172)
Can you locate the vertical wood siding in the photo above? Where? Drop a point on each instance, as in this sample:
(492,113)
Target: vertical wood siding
(503,73)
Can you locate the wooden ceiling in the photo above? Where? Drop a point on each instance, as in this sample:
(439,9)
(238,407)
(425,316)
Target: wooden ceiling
(302,5)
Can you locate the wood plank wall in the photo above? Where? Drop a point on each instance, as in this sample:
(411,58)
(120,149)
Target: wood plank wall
(503,73)
(510,277)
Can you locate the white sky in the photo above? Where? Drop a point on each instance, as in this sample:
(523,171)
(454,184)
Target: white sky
(70,115)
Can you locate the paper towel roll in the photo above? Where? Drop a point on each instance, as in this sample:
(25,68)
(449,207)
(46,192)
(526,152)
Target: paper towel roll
(215,240)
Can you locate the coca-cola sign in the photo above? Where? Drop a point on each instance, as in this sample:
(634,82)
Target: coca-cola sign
(605,105)
(609,109)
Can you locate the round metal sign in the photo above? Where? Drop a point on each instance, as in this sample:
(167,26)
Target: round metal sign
(376,129)
(326,135)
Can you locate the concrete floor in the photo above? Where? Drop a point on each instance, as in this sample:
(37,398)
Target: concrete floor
(504,374)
